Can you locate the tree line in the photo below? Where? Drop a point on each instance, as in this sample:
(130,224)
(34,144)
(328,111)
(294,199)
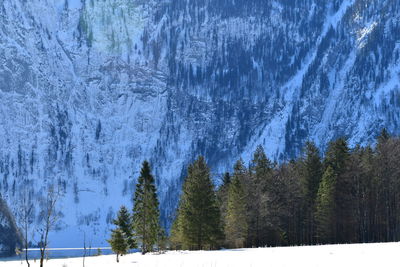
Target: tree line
(347,195)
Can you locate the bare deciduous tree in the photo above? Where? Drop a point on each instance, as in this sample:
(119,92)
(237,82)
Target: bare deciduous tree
(26,212)
(50,218)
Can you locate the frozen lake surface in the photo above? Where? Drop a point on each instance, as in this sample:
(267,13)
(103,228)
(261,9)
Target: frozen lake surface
(59,253)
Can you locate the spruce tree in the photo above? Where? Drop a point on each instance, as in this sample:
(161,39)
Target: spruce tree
(311,175)
(311,171)
(175,238)
(337,157)
(360,168)
(199,216)
(146,210)
(325,208)
(242,174)
(236,219)
(387,175)
(124,222)
(227,179)
(222,197)
(261,170)
(118,243)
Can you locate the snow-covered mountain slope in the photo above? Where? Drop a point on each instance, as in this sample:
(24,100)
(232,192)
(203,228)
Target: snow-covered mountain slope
(91,88)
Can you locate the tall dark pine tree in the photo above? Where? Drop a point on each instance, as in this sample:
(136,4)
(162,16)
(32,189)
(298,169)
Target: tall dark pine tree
(337,157)
(235,218)
(175,236)
(124,222)
(146,215)
(325,208)
(226,179)
(261,170)
(311,175)
(242,174)
(199,215)
(222,196)
(387,175)
(360,170)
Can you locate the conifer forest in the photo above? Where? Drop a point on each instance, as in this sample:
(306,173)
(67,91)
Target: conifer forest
(347,195)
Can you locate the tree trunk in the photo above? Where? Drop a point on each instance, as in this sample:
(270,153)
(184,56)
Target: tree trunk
(41,257)
(26,258)
(26,251)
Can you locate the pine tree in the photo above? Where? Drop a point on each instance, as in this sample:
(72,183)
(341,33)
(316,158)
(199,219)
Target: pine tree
(311,175)
(162,240)
(387,175)
(293,199)
(176,233)
(383,137)
(236,219)
(261,171)
(146,213)
(325,207)
(360,169)
(227,179)
(337,157)
(198,215)
(124,222)
(118,243)
(311,171)
(222,197)
(242,174)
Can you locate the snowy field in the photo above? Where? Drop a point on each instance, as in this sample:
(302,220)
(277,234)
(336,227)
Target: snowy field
(333,255)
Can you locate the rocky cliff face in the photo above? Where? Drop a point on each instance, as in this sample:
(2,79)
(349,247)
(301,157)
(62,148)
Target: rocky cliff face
(10,237)
(90,88)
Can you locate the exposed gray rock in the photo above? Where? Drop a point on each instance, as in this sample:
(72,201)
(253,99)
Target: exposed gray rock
(10,237)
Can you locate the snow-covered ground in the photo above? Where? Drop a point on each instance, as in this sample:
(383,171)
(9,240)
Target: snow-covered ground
(333,255)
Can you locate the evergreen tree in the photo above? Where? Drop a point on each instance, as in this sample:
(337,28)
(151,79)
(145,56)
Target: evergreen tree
(311,175)
(227,179)
(118,243)
(384,136)
(387,174)
(283,201)
(325,209)
(294,198)
(261,166)
(162,240)
(311,171)
(146,210)
(176,233)
(360,170)
(261,172)
(124,222)
(222,197)
(236,219)
(242,174)
(337,157)
(199,216)
(368,195)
